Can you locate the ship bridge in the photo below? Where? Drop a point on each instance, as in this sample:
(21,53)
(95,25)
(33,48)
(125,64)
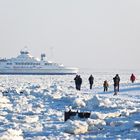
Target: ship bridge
(25,56)
(24,52)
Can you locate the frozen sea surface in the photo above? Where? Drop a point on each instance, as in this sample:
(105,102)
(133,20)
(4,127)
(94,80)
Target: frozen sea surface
(32,108)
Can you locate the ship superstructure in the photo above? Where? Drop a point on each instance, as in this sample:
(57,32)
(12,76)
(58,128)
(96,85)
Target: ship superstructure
(24,63)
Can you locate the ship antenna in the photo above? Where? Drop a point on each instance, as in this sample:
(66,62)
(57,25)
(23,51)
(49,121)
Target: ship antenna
(25,48)
(51,50)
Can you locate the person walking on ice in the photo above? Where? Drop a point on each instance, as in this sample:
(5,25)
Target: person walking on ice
(78,82)
(91,79)
(132,78)
(105,85)
(116,80)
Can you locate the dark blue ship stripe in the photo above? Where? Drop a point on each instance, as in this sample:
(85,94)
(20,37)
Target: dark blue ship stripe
(37,73)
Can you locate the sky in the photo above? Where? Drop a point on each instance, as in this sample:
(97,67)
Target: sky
(90,34)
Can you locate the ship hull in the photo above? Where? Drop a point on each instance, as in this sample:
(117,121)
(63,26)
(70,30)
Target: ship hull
(38,71)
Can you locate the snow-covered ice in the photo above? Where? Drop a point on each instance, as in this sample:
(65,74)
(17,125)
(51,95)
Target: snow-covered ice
(32,107)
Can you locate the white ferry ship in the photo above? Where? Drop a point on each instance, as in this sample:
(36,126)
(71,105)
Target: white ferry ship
(27,64)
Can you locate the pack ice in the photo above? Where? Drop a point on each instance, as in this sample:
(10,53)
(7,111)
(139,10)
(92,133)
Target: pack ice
(32,107)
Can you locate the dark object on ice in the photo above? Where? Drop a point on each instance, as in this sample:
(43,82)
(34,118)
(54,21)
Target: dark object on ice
(78,82)
(91,79)
(115,93)
(84,114)
(116,81)
(132,78)
(21,91)
(70,114)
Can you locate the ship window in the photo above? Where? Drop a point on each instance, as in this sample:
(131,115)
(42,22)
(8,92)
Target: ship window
(49,64)
(35,63)
(9,63)
(25,63)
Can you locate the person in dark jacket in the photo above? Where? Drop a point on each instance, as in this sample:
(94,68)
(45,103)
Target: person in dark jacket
(116,80)
(79,81)
(76,81)
(132,78)
(91,80)
(105,85)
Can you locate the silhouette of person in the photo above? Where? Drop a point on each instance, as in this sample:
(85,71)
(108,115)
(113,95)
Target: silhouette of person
(132,78)
(105,85)
(79,82)
(76,82)
(116,80)
(91,80)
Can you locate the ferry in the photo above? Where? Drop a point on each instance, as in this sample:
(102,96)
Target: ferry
(26,64)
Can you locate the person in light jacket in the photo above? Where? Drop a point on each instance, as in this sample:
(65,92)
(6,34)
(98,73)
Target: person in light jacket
(105,85)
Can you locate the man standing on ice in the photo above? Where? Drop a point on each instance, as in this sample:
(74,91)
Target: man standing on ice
(116,80)
(91,79)
(79,82)
(76,82)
